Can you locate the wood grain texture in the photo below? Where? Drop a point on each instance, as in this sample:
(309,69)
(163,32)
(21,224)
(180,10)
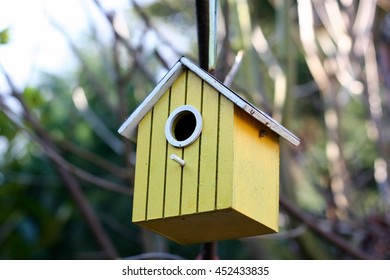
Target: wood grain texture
(142,169)
(157,160)
(225,154)
(189,197)
(208,150)
(174,170)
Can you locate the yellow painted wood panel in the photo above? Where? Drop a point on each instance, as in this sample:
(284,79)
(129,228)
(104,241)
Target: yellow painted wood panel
(142,169)
(208,150)
(157,159)
(225,154)
(174,170)
(207,226)
(189,194)
(256,170)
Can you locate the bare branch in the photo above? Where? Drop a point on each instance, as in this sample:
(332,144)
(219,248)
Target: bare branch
(98,86)
(95,159)
(312,224)
(233,71)
(81,103)
(148,22)
(72,185)
(45,142)
(133,53)
(155,256)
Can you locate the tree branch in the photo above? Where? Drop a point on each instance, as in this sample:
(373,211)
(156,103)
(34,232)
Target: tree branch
(71,183)
(75,190)
(155,256)
(133,53)
(312,224)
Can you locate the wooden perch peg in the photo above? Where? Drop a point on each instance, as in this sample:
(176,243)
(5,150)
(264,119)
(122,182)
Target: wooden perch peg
(177,159)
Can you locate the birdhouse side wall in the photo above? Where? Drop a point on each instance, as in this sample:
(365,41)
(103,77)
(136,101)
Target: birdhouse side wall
(256,170)
(162,187)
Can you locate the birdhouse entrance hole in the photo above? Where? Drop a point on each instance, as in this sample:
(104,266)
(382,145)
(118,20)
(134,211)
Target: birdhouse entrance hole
(183,126)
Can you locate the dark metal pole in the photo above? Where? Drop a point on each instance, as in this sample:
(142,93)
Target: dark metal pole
(203,28)
(206,44)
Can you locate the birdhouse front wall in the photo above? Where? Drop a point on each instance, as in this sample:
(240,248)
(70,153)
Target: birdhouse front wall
(229,185)
(163,188)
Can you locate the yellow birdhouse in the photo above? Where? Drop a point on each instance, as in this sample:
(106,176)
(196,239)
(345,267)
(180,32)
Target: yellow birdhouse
(207,163)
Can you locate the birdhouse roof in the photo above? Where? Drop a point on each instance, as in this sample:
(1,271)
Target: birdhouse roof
(129,127)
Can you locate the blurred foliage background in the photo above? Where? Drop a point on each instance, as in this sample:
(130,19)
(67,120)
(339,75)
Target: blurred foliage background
(321,68)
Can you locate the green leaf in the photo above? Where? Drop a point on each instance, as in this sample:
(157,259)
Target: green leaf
(33,97)
(4,36)
(6,127)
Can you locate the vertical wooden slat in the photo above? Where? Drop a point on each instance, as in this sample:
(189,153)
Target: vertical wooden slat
(191,152)
(208,150)
(158,159)
(142,169)
(174,171)
(225,154)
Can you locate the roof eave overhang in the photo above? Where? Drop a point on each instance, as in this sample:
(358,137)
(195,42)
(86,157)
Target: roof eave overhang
(129,128)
